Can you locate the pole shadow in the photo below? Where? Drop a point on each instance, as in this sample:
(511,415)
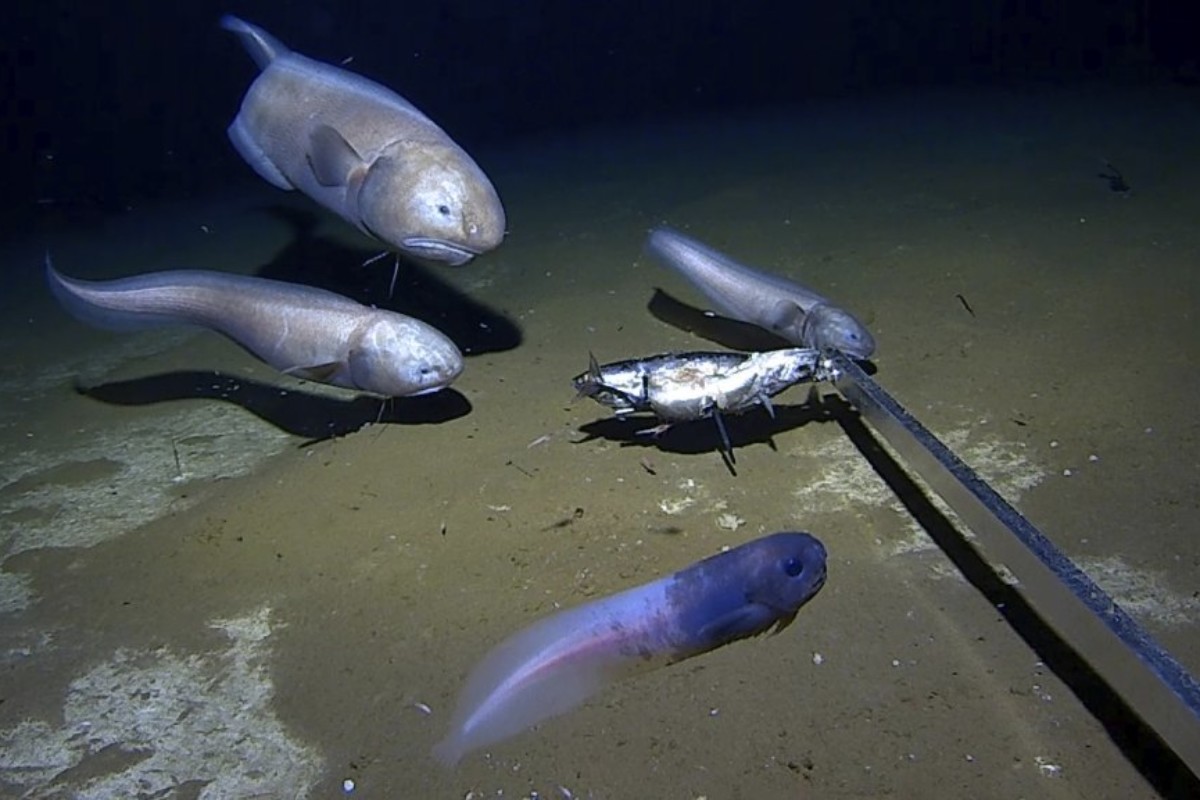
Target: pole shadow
(1157,763)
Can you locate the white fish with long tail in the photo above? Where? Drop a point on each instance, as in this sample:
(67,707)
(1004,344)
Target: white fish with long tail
(299,330)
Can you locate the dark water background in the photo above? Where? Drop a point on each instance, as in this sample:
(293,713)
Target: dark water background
(108,104)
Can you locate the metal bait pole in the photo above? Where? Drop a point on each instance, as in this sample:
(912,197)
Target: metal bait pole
(1135,666)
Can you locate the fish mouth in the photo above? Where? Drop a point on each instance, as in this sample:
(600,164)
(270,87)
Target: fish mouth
(859,353)
(439,250)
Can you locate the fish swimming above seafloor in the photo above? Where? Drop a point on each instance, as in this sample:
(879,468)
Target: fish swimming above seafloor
(299,330)
(799,315)
(679,387)
(558,662)
(363,152)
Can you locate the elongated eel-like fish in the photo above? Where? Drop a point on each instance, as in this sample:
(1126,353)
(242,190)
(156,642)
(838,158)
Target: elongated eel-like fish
(558,662)
(300,330)
(783,307)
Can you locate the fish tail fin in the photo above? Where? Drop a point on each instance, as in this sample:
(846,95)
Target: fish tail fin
(78,298)
(262,46)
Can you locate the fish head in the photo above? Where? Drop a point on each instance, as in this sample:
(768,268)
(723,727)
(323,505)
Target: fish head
(827,327)
(431,201)
(756,587)
(789,571)
(398,356)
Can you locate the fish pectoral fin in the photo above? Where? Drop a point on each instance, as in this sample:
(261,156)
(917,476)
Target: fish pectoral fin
(331,157)
(720,422)
(750,619)
(321,373)
(765,400)
(782,315)
(782,622)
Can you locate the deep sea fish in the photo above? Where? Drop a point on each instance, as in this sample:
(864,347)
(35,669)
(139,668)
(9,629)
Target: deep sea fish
(299,330)
(363,152)
(558,662)
(799,315)
(678,387)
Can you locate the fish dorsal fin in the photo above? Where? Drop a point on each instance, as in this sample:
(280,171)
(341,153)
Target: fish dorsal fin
(331,157)
(262,46)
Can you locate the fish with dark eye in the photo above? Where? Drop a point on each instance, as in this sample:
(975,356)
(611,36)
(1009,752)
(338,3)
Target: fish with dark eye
(787,309)
(363,152)
(560,661)
(679,387)
(300,330)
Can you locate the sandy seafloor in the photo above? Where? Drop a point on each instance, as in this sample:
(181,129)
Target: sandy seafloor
(196,604)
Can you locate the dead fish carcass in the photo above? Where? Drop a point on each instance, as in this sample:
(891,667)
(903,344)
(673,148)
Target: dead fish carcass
(678,387)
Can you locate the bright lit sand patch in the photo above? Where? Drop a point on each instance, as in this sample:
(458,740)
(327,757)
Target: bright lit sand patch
(144,724)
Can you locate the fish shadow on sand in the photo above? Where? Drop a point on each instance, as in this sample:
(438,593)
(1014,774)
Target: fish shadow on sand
(741,336)
(325,263)
(702,436)
(315,417)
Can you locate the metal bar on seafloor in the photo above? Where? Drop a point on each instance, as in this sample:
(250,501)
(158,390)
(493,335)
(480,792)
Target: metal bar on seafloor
(1122,653)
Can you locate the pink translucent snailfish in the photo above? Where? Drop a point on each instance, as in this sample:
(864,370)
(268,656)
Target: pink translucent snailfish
(558,662)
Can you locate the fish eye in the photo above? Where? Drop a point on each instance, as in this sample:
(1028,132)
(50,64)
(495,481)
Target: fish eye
(793,567)
(444,210)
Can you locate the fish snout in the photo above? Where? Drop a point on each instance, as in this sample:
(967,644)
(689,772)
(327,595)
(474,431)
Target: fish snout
(856,342)
(484,222)
(442,364)
(476,233)
(802,559)
(432,378)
